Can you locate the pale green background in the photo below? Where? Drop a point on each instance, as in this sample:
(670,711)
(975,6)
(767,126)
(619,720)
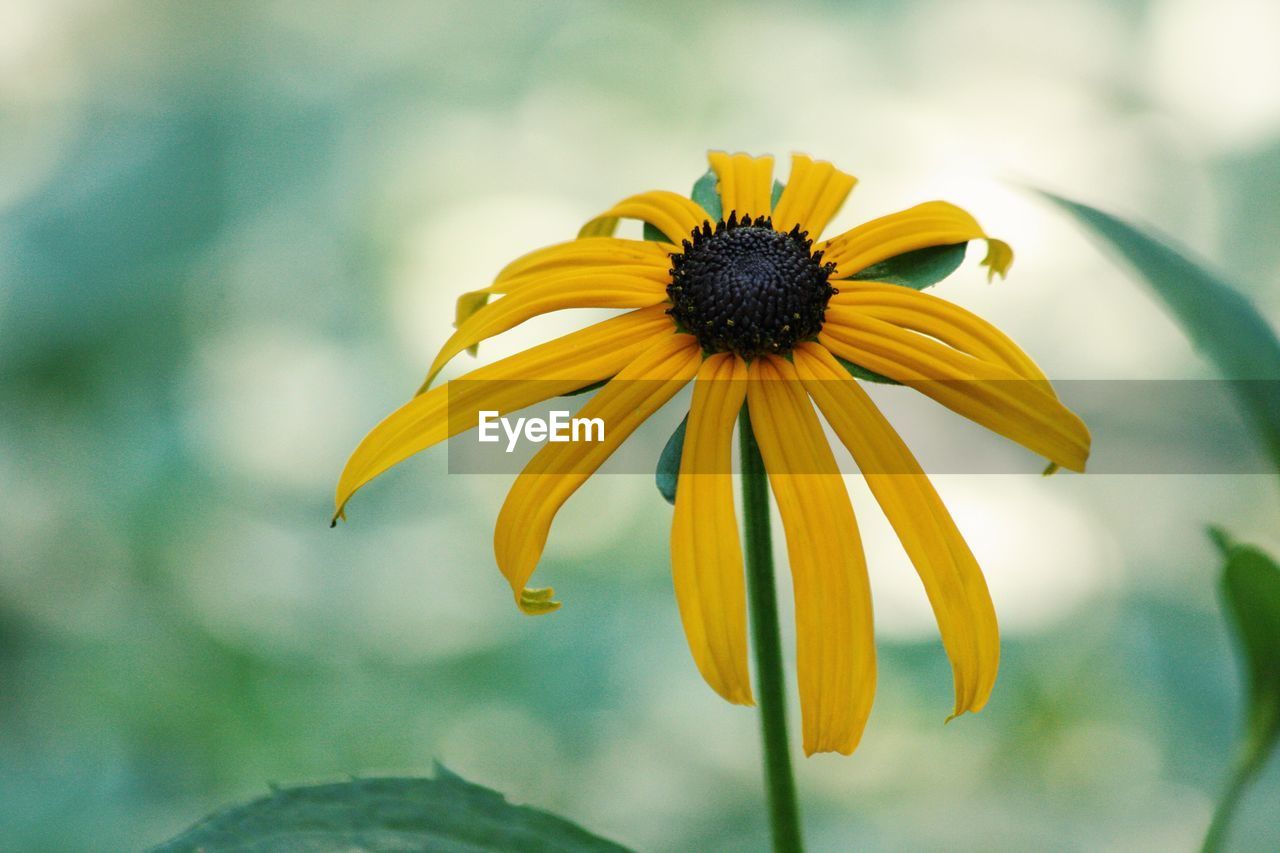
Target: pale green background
(230,236)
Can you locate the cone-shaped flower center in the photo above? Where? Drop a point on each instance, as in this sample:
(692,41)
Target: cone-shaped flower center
(745,288)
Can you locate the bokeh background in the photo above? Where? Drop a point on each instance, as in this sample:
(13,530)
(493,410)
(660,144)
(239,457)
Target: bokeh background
(230,237)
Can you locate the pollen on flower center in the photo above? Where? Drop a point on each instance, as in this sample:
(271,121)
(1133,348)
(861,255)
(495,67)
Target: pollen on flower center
(745,288)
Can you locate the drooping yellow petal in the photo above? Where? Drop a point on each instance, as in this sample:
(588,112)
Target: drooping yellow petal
(938,318)
(954,582)
(813,195)
(706,556)
(557,470)
(588,255)
(672,214)
(934,223)
(552,293)
(986,392)
(540,373)
(745,183)
(835,646)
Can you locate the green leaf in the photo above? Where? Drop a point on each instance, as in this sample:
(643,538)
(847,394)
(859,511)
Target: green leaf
(778,187)
(1221,322)
(445,813)
(917,269)
(706,194)
(860,372)
(668,474)
(1251,592)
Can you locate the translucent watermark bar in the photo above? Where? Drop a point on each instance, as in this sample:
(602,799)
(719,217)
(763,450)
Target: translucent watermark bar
(1138,426)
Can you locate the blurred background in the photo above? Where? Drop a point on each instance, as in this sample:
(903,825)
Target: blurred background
(230,239)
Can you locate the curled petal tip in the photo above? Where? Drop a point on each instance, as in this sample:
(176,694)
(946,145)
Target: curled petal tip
(998,260)
(973,708)
(535,602)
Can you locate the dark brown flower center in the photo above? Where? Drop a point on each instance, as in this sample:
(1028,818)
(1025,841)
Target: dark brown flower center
(745,288)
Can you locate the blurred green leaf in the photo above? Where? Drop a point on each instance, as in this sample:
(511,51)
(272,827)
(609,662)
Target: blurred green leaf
(778,187)
(918,269)
(1251,591)
(668,473)
(860,372)
(445,813)
(1221,322)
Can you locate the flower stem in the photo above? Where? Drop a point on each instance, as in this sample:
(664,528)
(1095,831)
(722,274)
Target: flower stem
(780,785)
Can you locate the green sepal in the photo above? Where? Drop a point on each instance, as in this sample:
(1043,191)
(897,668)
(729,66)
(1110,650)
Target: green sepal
(594,386)
(667,475)
(705,194)
(653,234)
(857,371)
(917,269)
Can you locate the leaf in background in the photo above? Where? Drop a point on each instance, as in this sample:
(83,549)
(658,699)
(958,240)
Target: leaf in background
(1221,322)
(668,473)
(918,269)
(445,813)
(1251,591)
(778,187)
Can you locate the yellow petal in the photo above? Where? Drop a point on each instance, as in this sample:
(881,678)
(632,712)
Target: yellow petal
(935,223)
(553,293)
(590,251)
(835,645)
(814,194)
(745,183)
(557,470)
(672,214)
(706,556)
(589,255)
(984,391)
(938,318)
(548,370)
(954,582)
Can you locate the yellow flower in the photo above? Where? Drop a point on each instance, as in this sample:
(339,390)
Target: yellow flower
(753,298)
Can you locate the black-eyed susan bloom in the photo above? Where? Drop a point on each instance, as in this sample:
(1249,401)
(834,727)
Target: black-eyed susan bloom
(751,307)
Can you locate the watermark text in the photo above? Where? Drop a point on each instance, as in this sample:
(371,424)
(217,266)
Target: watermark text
(557,427)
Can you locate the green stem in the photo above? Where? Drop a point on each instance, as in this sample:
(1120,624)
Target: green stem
(780,784)
(1217,834)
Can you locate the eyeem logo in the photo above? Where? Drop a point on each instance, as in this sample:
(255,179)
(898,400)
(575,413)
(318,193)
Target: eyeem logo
(559,427)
